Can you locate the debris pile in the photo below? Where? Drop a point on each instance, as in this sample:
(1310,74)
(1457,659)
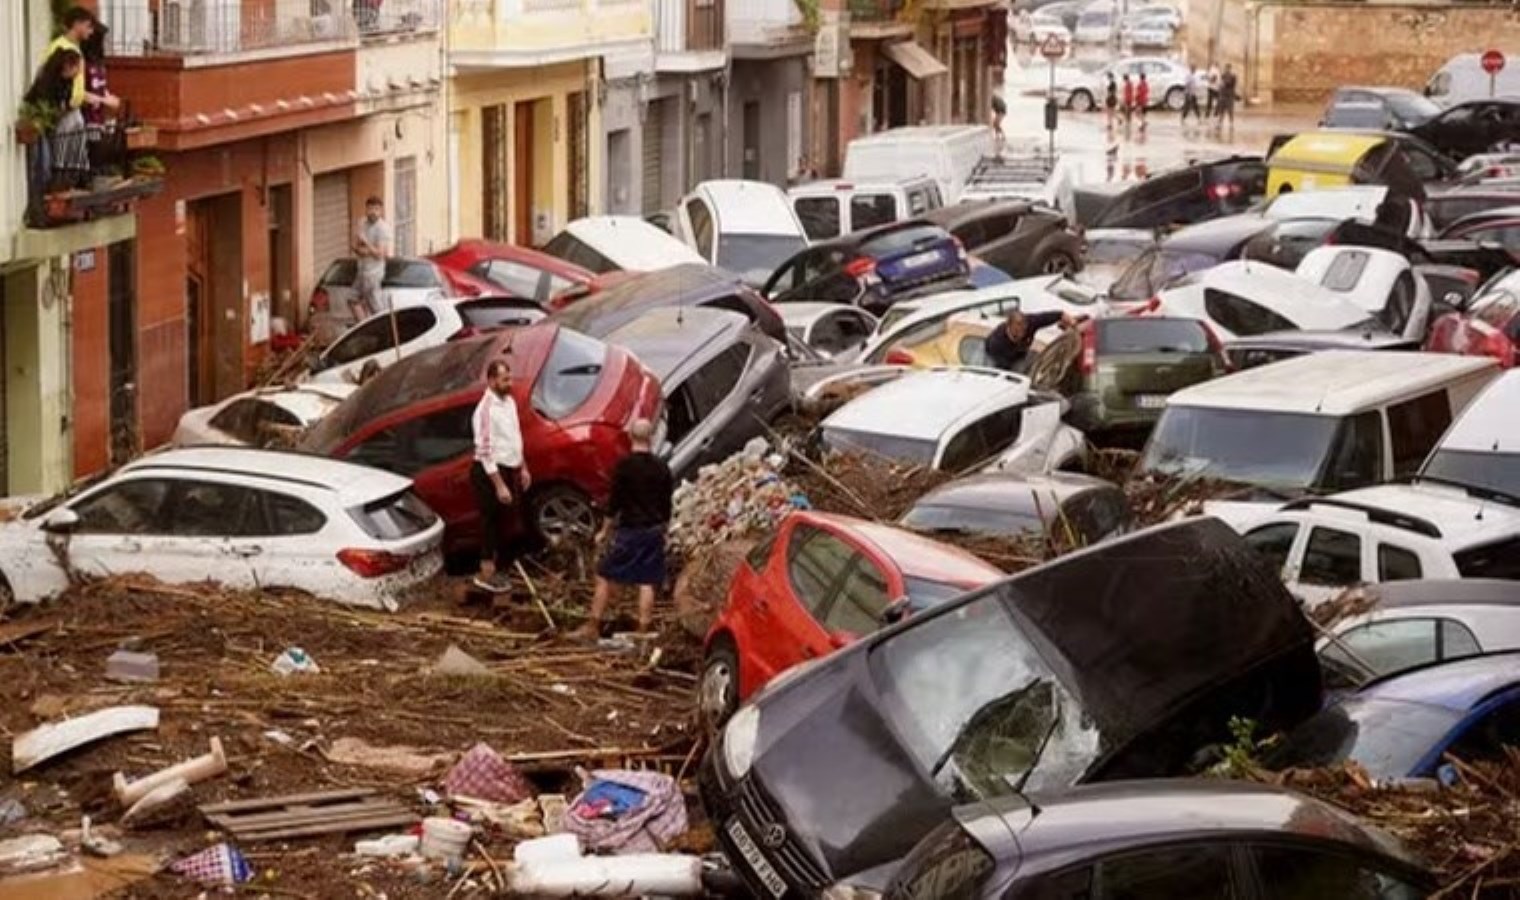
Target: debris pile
(743,496)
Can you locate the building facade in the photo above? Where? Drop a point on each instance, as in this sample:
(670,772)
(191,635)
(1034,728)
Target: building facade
(770,90)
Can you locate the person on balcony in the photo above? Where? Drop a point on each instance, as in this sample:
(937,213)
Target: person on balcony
(63,161)
(78,25)
(106,141)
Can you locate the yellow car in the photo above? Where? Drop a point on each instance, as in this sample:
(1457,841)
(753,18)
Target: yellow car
(1316,160)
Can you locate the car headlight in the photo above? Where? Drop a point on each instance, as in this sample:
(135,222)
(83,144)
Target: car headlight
(739,741)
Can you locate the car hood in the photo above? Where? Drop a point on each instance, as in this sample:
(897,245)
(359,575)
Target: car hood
(1218,236)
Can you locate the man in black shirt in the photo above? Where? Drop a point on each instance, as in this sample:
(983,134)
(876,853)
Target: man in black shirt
(1007,348)
(637,515)
(1389,230)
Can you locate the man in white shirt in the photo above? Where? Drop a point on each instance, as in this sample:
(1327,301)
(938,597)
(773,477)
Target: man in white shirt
(372,244)
(499,475)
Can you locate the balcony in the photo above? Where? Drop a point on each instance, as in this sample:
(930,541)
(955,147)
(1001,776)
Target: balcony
(72,209)
(386,19)
(485,34)
(688,35)
(760,29)
(871,19)
(212,31)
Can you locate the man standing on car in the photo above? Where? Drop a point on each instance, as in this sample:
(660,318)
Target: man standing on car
(372,244)
(638,513)
(1007,348)
(499,474)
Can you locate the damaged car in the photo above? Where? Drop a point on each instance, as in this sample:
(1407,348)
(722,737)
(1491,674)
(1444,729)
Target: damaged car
(1069,508)
(261,417)
(1118,661)
(684,285)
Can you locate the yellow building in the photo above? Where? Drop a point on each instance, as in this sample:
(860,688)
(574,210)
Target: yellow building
(525,110)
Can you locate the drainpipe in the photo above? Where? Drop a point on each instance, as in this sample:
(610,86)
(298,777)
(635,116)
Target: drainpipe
(728,80)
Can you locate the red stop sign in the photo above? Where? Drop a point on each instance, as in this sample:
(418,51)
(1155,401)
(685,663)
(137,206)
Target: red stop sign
(1492,62)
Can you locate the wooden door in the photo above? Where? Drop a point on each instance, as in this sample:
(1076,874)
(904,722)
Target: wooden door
(198,321)
(522,172)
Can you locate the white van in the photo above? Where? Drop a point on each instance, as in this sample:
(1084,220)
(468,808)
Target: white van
(1462,78)
(746,227)
(946,153)
(836,206)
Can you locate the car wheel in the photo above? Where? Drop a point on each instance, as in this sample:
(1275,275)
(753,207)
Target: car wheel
(563,514)
(1058,262)
(718,688)
(1174,99)
(1081,101)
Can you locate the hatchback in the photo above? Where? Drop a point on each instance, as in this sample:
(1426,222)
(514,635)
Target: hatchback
(521,272)
(1017,236)
(874,268)
(387,337)
(406,282)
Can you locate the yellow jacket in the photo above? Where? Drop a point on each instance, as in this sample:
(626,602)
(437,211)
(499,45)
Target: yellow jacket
(64,42)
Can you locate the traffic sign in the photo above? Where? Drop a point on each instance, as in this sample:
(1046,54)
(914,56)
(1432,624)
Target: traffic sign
(1492,62)
(1052,47)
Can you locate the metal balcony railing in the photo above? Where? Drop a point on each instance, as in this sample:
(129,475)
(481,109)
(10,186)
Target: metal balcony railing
(386,17)
(211,27)
(75,176)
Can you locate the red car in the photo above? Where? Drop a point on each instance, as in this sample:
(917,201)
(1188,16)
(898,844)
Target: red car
(519,271)
(575,397)
(819,583)
(1489,326)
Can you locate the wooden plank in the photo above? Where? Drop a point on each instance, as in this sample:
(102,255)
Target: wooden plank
(297,817)
(371,824)
(16,632)
(290,800)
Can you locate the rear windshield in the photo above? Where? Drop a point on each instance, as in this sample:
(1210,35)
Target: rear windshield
(399,273)
(897,240)
(754,257)
(1388,738)
(1156,270)
(890,446)
(392,518)
(570,375)
(1490,471)
(570,248)
(1136,335)
(979,520)
(1497,560)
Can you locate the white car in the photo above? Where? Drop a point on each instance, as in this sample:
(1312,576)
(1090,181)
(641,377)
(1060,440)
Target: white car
(603,244)
(1381,282)
(407,282)
(835,330)
(373,342)
(1082,91)
(255,417)
(1038,27)
(1243,299)
(957,420)
(1337,204)
(1096,24)
(246,518)
(1482,447)
(745,227)
(1393,532)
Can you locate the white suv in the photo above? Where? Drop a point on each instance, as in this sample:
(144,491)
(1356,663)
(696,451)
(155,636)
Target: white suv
(1394,532)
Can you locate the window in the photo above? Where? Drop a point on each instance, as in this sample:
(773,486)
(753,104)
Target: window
(515,278)
(292,515)
(1332,558)
(760,554)
(1414,427)
(1241,316)
(1097,514)
(1174,872)
(871,210)
(1357,457)
(1425,166)
(1457,641)
(1492,736)
(128,507)
(862,600)
(950,865)
(701,227)
(412,446)
(1346,270)
(815,560)
(1400,306)
(398,516)
(249,419)
(1497,560)
(922,200)
(819,215)
(1397,564)
(212,509)
(570,248)
(1299,873)
(1274,543)
(569,375)
(488,314)
(972,350)
(982,439)
(379,334)
(404,211)
(718,377)
(1392,645)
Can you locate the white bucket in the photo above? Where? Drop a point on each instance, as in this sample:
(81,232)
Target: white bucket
(444,839)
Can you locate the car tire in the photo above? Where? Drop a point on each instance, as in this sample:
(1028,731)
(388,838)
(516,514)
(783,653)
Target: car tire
(1081,101)
(562,513)
(1058,262)
(1174,98)
(718,686)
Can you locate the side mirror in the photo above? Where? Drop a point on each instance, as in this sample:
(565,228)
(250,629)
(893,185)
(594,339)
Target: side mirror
(60,521)
(896,611)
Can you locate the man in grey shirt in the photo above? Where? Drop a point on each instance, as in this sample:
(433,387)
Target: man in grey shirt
(372,244)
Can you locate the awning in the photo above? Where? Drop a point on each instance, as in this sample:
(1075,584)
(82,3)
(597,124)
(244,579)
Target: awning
(919,63)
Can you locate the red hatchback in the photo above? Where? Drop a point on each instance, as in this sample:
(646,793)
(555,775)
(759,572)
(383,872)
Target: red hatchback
(521,272)
(1489,326)
(819,583)
(575,397)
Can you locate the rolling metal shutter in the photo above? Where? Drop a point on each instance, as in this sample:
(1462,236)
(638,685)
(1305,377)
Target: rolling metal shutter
(654,157)
(330,225)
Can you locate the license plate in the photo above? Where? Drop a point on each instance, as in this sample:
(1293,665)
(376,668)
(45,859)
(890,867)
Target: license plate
(919,260)
(1150,401)
(751,852)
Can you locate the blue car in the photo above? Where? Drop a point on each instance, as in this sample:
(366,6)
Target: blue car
(1404,725)
(874,268)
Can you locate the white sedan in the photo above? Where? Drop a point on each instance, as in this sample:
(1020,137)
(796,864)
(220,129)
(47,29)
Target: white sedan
(1243,299)
(259,417)
(428,324)
(247,519)
(1081,91)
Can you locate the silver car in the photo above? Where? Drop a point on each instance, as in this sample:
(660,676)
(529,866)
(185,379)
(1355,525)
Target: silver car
(1083,91)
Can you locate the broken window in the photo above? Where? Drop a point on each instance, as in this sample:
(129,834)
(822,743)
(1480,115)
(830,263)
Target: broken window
(292,515)
(128,507)
(213,509)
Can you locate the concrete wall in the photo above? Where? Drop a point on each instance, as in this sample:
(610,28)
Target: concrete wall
(768,82)
(37,408)
(623,131)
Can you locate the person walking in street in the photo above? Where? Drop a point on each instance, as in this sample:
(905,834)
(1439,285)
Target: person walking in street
(999,110)
(1007,348)
(638,514)
(372,244)
(1143,98)
(1212,84)
(1111,99)
(1127,97)
(499,474)
(1227,96)
(1191,91)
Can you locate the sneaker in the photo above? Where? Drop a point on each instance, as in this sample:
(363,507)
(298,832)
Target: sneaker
(496,584)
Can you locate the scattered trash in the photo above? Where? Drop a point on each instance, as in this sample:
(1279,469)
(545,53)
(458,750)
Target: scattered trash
(131,666)
(168,803)
(455,661)
(302,815)
(389,847)
(554,867)
(95,843)
(350,751)
(294,661)
(11,811)
(218,865)
(30,852)
(191,771)
(445,839)
(45,742)
(484,775)
(624,811)
(740,496)
(280,737)
(554,807)
(519,821)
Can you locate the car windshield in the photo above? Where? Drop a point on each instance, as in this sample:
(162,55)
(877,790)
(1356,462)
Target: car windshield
(890,446)
(978,707)
(754,257)
(972,520)
(1272,450)
(1387,737)
(1157,269)
(1144,335)
(1477,468)
(569,375)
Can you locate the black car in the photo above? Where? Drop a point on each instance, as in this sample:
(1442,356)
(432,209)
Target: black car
(689,284)
(1180,839)
(1472,127)
(1119,661)
(1446,207)
(1193,193)
(1017,236)
(1394,109)
(874,268)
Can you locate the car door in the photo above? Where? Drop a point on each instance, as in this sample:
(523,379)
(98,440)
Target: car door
(116,522)
(291,553)
(812,569)
(1332,561)
(716,426)
(376,340)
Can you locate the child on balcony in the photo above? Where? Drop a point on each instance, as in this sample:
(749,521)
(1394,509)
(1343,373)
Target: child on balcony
(63,157)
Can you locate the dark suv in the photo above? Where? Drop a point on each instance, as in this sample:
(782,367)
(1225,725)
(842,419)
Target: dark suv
(1194,193)
(874,268)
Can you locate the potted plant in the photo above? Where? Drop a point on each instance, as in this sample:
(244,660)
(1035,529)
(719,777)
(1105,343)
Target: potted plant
(35,120)
(148,167)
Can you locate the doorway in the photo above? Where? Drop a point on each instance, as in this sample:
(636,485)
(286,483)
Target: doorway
(889,96)
(282,254)
(752,140)
(495,169)
(522,172)
(121,301)
(214,297)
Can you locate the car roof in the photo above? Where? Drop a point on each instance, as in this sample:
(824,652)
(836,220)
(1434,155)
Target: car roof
(1446,592)
(917,556)
(1461,518)
(353,484)
(1333,383)
(666,338)
(632,243)
(925,404)
(824,187)
(687,284)
(1341,202)
(1013,493)
(1489,423)
(749,207)
(1279,290)
(968,210)
(538,259)
(1328,147)
(1457,685)
(1358,338)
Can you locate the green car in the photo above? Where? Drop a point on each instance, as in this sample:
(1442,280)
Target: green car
(1118,372)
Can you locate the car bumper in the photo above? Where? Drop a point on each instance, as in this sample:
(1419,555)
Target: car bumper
(746,824)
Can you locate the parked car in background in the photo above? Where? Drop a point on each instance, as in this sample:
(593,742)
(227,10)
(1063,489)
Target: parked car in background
(1017,236)
(1186,195)
(1037,27)
(1477,126)
(873,269)
(387,337)
(1096,24)
(518,271)
(575,398)
(946,153)
(1072,510)
(1248,353)
(1378,108)
(1462,78)
(1161,838)
(602,244)
(407,282)
(1117,373)
(745,227)
(821,582)
(1244,299)
(1444,207)
(260,417)
(1416,623)
(956,420)
(1083,91)
(838,206)
(257,519)
(957,705)
(1482,447)
(1488,326)
(832,329)
(687,285)
(723,381)
(1495,226)
(1405,726)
